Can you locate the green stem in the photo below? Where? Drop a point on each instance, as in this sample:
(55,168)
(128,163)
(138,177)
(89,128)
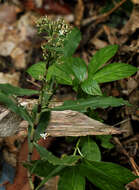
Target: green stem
(45,89)
(76,147)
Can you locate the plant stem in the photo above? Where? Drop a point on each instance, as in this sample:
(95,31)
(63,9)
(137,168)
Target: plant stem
(76,147)
(46,88)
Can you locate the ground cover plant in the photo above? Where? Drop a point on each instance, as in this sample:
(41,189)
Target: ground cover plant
(61,67)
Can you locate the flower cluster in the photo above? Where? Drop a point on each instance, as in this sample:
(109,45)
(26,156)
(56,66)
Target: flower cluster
(55,32)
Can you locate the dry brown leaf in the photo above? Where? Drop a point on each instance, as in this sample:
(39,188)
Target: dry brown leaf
(127,127)
(134,184)
(10,78)
(8,13)
(52,184)
(15,39)
(131,84)
(133,22)
(110,32)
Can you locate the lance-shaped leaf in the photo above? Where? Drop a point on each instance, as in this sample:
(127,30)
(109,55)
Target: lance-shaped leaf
(77,67)
(71,179)
(40,167)
(46,155)
(91,87)
(107,176)
(93,102)
(71,42)
(37,70)
(101,57)
(90,149)
(61,73)
(114,71)
(19,110)
(13,90)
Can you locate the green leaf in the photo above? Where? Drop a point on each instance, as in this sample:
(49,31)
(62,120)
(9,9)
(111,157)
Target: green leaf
(43,123)
(90,149)
(91,87)
(77,66)
(106,175)
(37,70)
(54,172)
(46,155)
(114,71)
(40,167)
(61,74)
(71,42)
(105,141)
(71,180)
(93,102)
(101,57)
(13,90)
(12,105)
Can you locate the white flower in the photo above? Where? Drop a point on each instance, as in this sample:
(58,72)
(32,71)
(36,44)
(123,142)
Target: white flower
(61,32)
(44,135)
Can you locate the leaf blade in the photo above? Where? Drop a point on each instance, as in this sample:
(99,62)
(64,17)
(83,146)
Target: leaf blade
(101,57)
(71,42)
(91,87)
(106,176)
(78,67)
(93,102)
(114,71)
(37,70)
(46,155)
(14,90)
(90,149)
(71,179)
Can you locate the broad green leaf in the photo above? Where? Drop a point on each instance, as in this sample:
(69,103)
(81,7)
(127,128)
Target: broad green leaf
(61,74)
(114,71)
(71,179)
(93,102)
(101,57)
(46,155)
(37,70)
(90,149)
(77,66)
(91,87)
(105,141)
(71,42)
(13,106)
(106,175)
(43,123)
(13,90)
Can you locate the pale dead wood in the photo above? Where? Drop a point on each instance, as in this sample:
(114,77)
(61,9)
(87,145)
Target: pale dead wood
(62,123)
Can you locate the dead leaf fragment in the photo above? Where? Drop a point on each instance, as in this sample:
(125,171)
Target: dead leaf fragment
(8,13)
(10,78)
(133,23)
